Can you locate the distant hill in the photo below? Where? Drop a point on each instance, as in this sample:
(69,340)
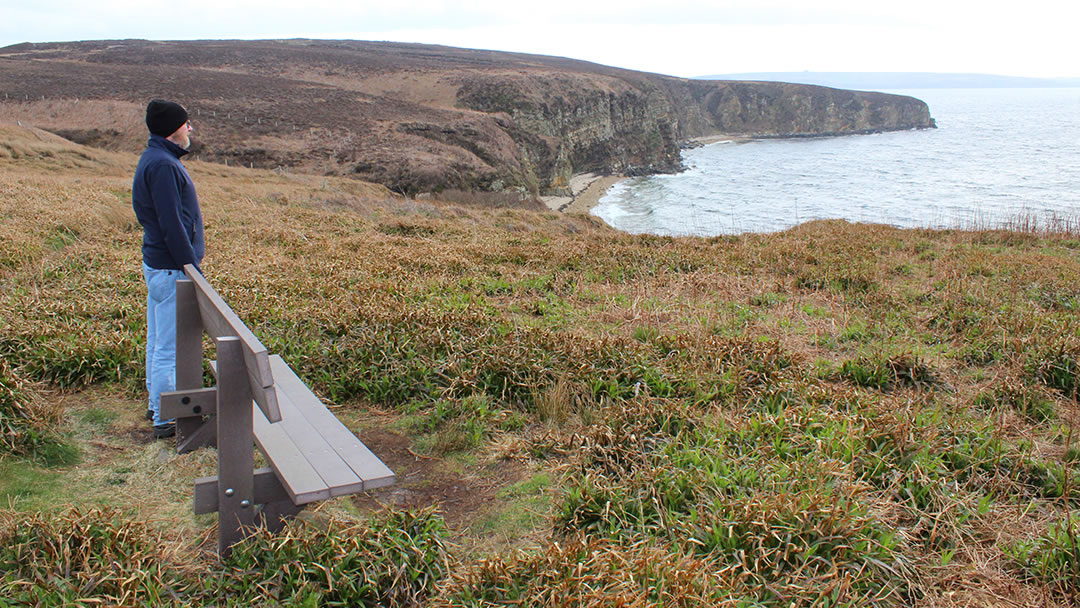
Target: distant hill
(875,81)
(415,118)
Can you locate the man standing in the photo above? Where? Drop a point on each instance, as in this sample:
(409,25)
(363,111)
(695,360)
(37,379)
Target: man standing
(165,203)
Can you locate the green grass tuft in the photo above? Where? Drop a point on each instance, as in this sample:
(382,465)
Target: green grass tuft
(26,427)
(83,557)
(1053,558)
(395,560)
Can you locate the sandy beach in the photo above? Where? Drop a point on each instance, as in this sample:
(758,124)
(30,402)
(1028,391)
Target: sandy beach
(587,188)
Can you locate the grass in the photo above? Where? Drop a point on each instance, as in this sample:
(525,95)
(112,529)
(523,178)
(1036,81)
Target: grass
(453,426)
(1054,557)
(521,508)
(28,424)
(391,561)
(59,560)
(27,485)
(101,555)
(841,415)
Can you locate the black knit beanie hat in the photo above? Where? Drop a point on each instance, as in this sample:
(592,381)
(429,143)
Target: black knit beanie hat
(164,117)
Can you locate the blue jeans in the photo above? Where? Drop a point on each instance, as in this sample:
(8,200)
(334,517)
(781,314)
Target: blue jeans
(160,335)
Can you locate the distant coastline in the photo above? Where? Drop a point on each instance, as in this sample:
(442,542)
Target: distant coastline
(899,80)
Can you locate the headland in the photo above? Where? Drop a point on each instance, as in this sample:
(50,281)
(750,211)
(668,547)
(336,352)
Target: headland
(416,118)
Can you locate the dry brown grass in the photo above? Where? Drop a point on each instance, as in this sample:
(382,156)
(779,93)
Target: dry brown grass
(117,125)
(691,385)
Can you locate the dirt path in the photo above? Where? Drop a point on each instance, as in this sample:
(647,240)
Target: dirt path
(460,492)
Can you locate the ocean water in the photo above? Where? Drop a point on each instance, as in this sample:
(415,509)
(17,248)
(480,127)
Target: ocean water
(996,156)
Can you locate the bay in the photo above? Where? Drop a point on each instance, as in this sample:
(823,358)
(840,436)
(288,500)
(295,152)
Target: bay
(997,156)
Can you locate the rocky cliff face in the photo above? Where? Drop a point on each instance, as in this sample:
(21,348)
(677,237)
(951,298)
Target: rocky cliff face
(416,118)
(565,125)
(792,110)
(568,123)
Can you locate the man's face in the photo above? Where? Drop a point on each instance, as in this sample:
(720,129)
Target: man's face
(182,136)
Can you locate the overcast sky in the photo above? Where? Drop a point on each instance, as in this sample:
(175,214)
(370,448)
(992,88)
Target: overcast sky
(1032,38)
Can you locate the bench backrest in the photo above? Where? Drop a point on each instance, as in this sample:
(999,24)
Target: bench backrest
(220,321)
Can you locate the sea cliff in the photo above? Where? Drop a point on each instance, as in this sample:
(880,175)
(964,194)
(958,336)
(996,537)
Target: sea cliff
(607,124)
(416,118)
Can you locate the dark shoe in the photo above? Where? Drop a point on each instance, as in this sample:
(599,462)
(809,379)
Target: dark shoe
(149,414)
(161,431)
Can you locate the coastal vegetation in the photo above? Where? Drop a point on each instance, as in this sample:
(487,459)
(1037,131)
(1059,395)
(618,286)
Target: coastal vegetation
(833,415)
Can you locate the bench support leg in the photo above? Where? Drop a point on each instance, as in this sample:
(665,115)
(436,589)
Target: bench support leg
(189,359)
(236,448)
(196,433)
(276,514)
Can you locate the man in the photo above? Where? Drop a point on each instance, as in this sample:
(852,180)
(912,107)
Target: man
(165,203)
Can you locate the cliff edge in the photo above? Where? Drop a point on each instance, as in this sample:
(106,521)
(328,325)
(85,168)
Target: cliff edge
(416,118)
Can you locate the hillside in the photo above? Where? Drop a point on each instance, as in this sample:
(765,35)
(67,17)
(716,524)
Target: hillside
(414,118)
(850,415)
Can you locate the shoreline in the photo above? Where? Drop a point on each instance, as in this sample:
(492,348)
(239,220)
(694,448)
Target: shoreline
(706,140)
(588,188)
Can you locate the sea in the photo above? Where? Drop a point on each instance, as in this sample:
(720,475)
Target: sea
(999,158)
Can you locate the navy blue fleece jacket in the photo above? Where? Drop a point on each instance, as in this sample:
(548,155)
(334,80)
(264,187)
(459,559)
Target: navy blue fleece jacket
(166,205)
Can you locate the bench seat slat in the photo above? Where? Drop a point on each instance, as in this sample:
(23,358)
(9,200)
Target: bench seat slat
(314,455)
(349,449)
(335,473)
(301,480)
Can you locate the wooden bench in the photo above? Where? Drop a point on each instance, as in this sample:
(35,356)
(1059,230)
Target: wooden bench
(258,400)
